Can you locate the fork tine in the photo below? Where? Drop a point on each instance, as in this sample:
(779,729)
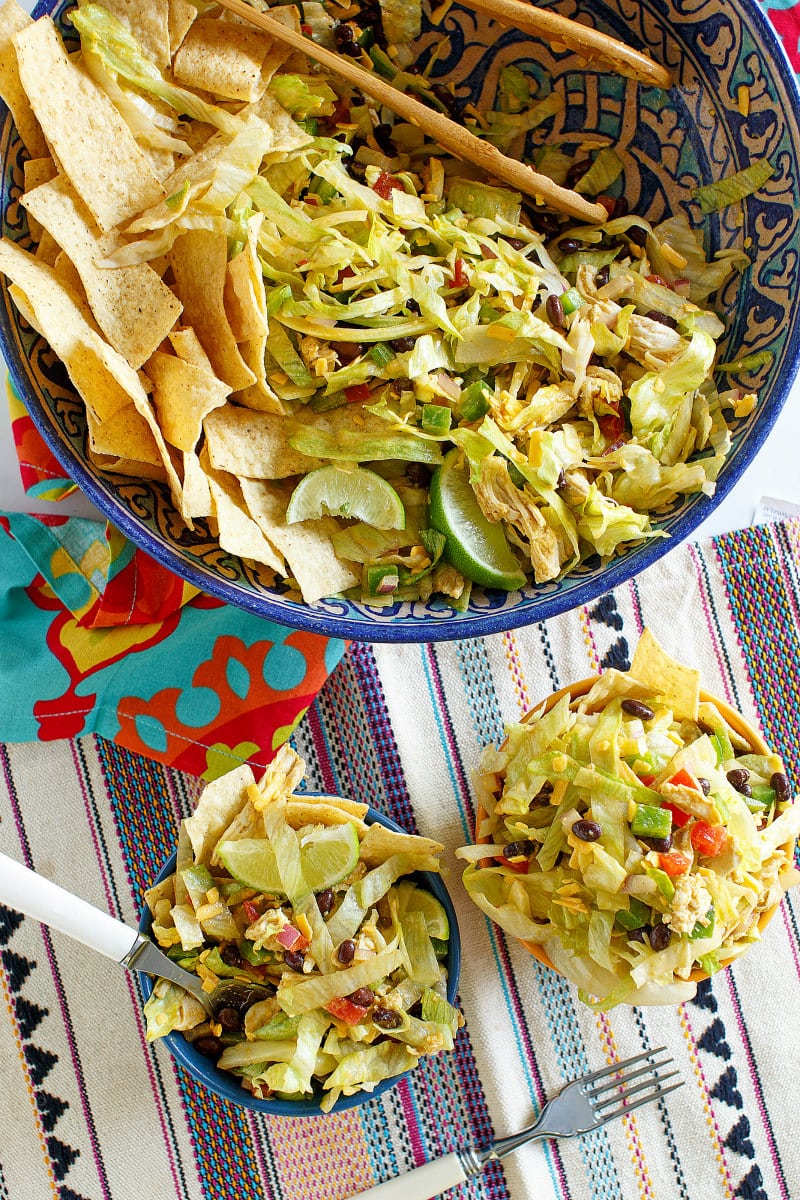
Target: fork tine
(618,1066)
(599,1105)
(624,1108)
(626,1078)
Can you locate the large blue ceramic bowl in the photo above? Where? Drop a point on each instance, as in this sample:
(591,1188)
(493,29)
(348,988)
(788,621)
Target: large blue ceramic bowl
(670,143)
(224,1084)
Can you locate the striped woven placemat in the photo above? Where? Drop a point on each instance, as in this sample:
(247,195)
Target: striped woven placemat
(90,1113)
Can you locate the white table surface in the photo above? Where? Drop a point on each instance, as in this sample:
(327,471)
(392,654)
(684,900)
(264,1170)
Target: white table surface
(774,473)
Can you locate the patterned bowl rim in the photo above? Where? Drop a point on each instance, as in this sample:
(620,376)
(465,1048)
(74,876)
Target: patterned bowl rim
(737,722)
(222,1083)
(427,628)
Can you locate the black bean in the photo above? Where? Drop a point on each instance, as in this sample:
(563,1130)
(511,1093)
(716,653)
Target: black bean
(745,790)
(577,171)
(346,951)
(569,245)
(294,960)
(325,901)
(637,235)
(780,785)
(411,303)
(343,34)
(387,1018)
(638,935)
(347,351)
(229,1018)
(587,831)
(362,996)
(601,278)
(609,204)
(419,474)
(662,318)
(383,136)
(621,207)
(660,937)
(561,482)
(208,1045)
(521,849)
(446,99)
(705,785)
(555,310)
(402,345)
(660,845)
(230,955)
(543,222)
(637,708)
(738,778)
(516,243)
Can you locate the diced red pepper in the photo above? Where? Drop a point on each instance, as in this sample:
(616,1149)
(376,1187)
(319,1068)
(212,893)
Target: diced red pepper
(307,30)
(709,840)
(679,817)
(674,863)
(357,394)
(250,911)
(345,273)
(460,278)
(612,426)
(340,114)
(683,779)
(385,184)
(658,279)
(289,937)
(344,1010)
(648,781)
(519,868)
(312,199)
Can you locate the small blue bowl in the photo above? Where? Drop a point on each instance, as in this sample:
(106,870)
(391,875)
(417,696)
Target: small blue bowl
(226,1085)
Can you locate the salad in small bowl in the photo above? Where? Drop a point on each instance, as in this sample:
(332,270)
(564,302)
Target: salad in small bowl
(323,936)
(634,832)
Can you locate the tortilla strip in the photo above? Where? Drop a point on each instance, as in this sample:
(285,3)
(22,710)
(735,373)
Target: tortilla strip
(186,345)
(306,546)
(196,496)
(305,812)
(86,134)
(37,171)
(12,20)
(183,395)
(199,261)
(253,444)
(223,58)
(112,465)
(125,435)
(260,396)
(132,306)
(238,532)
(219,803)
(678,684)
(149,24)
(245,295)
(179,19)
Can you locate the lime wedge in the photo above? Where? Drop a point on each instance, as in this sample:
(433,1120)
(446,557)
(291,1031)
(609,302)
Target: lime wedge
(346,492)
(433,911)
(476,547)
(326,855)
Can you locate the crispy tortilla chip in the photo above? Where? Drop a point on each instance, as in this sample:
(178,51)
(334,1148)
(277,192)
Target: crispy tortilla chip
(12,20)
(308,812)
(245,296)
(281,777)
(238,532)
(67,272)
(186,345)
(86,134)
(48,249)
(183,395)
(148,21)
(37,171)
(125,434)
(260,396)
(679,685)
(287,135)
(380,843)
(199,262)
(307,546)
(128,466)
(196,496)
(254,444)
(219,803)
(179,19)
(133,307)
(223,58)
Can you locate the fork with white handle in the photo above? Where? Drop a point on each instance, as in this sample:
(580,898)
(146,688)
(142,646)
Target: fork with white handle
(581,1106)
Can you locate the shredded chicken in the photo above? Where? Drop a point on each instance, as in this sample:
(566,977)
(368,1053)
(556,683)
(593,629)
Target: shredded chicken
(601,391)
(447,580)
(690,800)
(500,500)
(650,342)
(690,904)
(319,357)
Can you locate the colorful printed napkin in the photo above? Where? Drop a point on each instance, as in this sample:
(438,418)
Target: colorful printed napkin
(90,1112)
(100,638)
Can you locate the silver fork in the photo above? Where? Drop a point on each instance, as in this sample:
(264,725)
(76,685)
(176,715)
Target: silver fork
(583,1105)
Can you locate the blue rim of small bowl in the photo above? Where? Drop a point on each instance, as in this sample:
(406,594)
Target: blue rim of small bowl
(223,1084)
(620,570)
